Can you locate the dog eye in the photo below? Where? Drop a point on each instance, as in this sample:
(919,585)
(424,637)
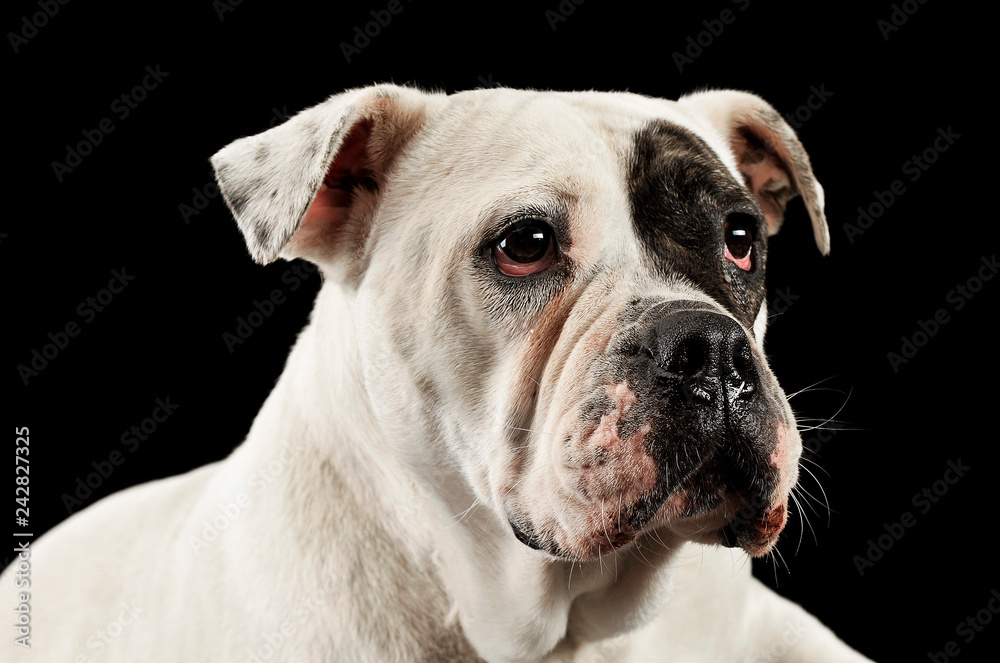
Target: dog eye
(739,235)
(528,247)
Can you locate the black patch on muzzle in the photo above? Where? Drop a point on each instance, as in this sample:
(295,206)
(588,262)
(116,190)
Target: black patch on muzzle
(697,379)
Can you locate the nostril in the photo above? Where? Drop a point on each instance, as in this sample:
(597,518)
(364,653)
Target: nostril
(689,357)
(743,362)
(742,371)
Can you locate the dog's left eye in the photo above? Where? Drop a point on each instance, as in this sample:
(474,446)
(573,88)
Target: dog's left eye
(738,233)
(526,248)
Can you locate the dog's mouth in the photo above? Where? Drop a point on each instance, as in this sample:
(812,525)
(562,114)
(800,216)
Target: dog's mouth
(707,508)
(728,504)
(748,518)
(755,530)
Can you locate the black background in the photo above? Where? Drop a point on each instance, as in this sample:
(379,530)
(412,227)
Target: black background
(230,68)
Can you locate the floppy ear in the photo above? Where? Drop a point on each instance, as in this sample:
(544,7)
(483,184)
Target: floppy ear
(774,165)
(305,188)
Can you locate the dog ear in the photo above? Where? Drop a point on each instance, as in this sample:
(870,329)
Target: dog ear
(305,188)
(774,165)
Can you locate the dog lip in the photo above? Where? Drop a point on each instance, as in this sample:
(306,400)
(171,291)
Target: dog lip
(757,535)
(717,516)
(524,537)
(697,494)
(525,534)
(595,545)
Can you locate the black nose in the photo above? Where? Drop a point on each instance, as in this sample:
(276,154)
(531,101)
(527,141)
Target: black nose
(707,354)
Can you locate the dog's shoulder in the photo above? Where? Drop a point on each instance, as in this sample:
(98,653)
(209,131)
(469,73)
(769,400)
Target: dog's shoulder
(91,562)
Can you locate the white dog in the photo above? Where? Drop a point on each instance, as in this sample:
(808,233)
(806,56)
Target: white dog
(530,418)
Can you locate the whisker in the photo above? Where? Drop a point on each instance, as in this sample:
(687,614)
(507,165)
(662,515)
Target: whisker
(842,406)
(813,462)
(805,522)
(826,500)
(798,508)
(746,560)
(526,430)
(604,524)
(780,557)
(808,500)
(811,387)
(461,516)
(774,564)
(822,426)
(655,534)
(638,550)
(512,487)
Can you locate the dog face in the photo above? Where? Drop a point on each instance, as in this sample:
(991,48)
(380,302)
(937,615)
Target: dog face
(559,297)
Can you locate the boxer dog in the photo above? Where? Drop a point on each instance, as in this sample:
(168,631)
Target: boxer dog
(530,418)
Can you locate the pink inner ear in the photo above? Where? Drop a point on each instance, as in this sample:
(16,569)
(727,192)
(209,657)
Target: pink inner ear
(329,209)
(765,176)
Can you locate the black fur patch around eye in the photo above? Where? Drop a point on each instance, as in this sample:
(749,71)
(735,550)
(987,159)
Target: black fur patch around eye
(680,194)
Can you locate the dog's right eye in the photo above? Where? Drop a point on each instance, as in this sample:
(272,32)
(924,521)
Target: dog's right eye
(526,248)
(738,233)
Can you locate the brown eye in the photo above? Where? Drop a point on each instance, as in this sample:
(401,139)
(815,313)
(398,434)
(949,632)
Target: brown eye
(738,234)
(527,248)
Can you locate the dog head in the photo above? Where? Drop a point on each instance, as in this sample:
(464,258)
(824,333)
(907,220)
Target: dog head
(559,297)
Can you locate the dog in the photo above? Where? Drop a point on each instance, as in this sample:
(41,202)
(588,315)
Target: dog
(530,418)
